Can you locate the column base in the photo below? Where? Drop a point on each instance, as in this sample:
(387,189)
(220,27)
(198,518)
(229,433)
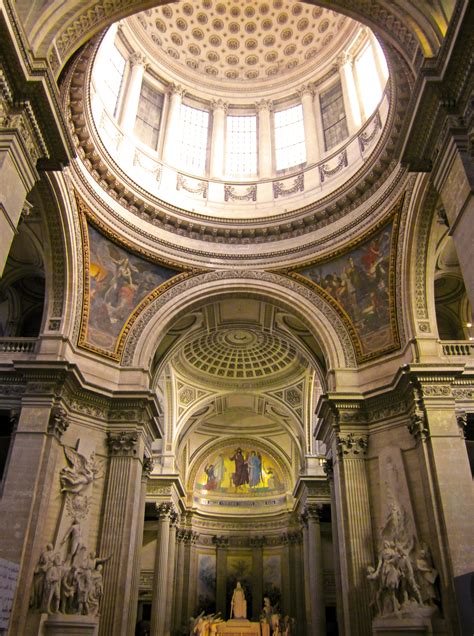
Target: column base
(71,625)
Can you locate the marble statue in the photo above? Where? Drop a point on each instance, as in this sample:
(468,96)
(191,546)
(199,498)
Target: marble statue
(80,472)
(73,538)
(238,605)
(52,586)
(44,563)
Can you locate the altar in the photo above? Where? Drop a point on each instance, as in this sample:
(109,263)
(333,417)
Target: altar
(239,627)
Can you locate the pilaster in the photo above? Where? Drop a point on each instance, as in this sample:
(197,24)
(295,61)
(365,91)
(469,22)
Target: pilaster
(166,513)
(221,543)
(257,543)
(122,520)
(265,137)
(176,93)
(313,153)
(219,110)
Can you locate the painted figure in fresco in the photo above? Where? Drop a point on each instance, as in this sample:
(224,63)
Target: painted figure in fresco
(238,605)
(241,475)
(211,483)
(219,469)
(255,468)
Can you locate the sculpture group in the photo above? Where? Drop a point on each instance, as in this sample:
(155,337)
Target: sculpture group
(69,580)
(404,580)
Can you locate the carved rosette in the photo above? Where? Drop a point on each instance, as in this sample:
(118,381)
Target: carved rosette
(352,446)
(418,427)
(124,443)
(58,422)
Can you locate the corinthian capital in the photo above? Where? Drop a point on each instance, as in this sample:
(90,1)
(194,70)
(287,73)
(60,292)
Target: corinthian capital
(352,445)
(137,59)
(219,104)
(122,443)
(264,105)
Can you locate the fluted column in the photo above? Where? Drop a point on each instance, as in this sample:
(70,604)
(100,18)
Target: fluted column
(170,575)
(349,93)
(318,617)
(329,470)
(219,110)
(355,530)
(221,543)
(265,138)
(307,574)
(170,147)
(165,513)
(257,544)
(122,520)
(146,470)
(298,580)
(306,94)
(132,94)
(179,581)
(192,589)
(285,568)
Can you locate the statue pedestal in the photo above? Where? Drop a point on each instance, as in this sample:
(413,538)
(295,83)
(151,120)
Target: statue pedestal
(71,625)
(418,624)
(239,627)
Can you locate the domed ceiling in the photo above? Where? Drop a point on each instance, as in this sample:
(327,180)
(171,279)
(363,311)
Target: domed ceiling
(264,43)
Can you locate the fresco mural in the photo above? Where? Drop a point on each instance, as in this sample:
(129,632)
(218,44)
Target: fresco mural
(239,568)
(272,578)
(359,282)
(240,470)
(206,583)
(118,282)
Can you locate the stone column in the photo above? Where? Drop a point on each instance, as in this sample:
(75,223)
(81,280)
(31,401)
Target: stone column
(192,575)
(29,483)
(257,544)
(221,543)
(306,94)
(349,93)
(165,513)
(307,574)
(219,110)
(146,470)
(170,149)
(171,574)
(298,580)
(329,470)
(132,94)
(179,581)
(121,535)
(354,531)
(188,540)
(285,569)
(265,139)
(318,616)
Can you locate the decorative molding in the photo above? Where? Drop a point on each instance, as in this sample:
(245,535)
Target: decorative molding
(365,139)
(221,542)
(328,171)
(183,184)
(297,186)
(231,193)
(418,427)
(148,466)
(124,443)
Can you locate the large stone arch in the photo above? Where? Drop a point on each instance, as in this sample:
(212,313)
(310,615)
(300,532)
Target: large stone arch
(308,306)
(58,29)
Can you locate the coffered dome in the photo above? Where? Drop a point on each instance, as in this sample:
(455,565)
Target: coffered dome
(240,354)
(265,43)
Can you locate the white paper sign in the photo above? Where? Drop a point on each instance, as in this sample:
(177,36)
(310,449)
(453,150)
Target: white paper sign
(8,580)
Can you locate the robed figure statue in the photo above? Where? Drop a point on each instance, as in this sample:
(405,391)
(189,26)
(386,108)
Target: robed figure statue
(238,606)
